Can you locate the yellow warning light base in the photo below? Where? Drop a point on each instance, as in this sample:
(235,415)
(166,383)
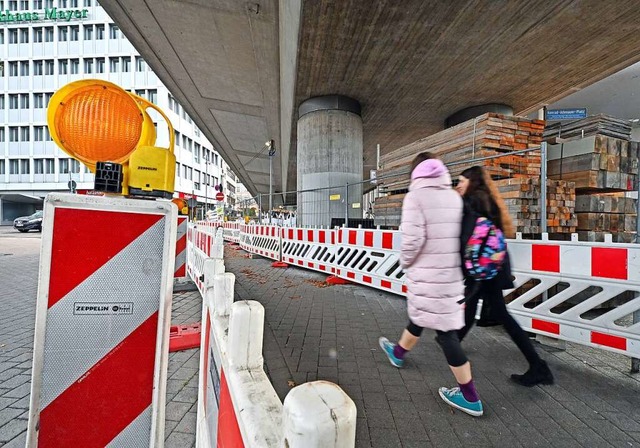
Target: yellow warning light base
(152,172)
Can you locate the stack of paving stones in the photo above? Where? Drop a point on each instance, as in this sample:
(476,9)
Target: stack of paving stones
(331,333)
(18,277)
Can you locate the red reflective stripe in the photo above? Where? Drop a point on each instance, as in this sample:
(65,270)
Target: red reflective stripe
(609,263)
(353,235)
(366,279)
(387,240)
(545,258)
(290,234)
(543,325)
(310,235)
(300,262)
(609,340)
(404,288)
(228,430)
(385,284)
(322,268)
(321,236)
(368,239)
(310,265)
(333,237)
(300,235)
(181,271)
(351,275)
(106,399)
(181,245)
(79,250)
(206,358)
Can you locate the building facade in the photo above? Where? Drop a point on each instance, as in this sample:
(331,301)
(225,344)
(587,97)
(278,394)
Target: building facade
(45,44)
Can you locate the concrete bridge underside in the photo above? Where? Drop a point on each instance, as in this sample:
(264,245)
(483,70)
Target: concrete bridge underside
(241,69)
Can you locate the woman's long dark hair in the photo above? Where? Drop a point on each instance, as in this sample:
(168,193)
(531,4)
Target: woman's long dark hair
(486,199)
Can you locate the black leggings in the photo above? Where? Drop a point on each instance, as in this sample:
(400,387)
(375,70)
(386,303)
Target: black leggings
(493,299)
(449,342)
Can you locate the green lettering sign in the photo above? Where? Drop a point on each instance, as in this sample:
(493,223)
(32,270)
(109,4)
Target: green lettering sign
(8,17)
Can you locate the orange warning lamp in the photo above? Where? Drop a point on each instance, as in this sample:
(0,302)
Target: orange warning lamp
(109,130)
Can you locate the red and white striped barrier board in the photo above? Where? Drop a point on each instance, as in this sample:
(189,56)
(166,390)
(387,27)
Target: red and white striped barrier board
(370,257)
(102,322)
(265,241)
(232,231)
(309,248)
(246,237)
(181,248)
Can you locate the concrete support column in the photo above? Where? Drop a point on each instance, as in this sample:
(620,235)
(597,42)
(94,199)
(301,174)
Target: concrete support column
(329,155)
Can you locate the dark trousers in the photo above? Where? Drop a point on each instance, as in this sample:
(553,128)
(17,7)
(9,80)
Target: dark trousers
(493,299)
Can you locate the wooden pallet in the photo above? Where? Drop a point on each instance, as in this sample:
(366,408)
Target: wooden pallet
(596,124)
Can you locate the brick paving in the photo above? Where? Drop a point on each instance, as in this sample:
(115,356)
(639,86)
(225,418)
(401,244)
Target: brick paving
(332,333)
(19,254)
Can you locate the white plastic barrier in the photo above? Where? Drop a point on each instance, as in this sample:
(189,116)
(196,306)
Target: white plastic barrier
(265,241)
(237,405)
(232,231)
(310,248)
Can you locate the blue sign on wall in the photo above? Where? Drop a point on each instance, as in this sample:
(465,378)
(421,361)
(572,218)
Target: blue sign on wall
(566,114)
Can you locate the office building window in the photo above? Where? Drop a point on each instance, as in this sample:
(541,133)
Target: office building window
(24,134)
(13,166)
(184,141)
(24,5)
(1,101)
(114,65)
(74,33)
(38,100)
(25,166)
(99,65)
(47,135)
(88,32)
(2,168)
(140,64)
(24,35)
(113,31)
(13,101)
(126,64)
(48,67)
(87,3)
(47,98)
(177,168)
(75,166)
(13,5)
(196,153)
(62,4)
(13,36)
(185,171)
(37,4)
(24,68)
(177,138)
(99,32)
(2,137)
(197,176)
(38,133)
(73,3)
(48,4)
(48,34)
(13,68)
(64,166)
(190,173)
(49,166)
(38,68)
(75,66)
(140,93)
(24,101)
(88,65)
(63,67)
(38,166)
(37,35)
(153,96)
(63,33)
(1,36)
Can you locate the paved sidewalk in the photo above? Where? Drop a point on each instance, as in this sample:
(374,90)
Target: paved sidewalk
(331,333)
(19,254)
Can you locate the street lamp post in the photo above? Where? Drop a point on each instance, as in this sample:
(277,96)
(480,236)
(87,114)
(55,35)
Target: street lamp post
(272,152)
(206,185)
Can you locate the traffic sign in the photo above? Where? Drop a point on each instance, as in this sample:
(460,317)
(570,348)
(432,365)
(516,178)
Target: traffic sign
(220,196)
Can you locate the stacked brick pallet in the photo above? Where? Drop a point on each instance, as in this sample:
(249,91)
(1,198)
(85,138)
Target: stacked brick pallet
(597,154)
(522,198)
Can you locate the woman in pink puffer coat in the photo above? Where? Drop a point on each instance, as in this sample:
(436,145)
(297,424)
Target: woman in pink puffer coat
(430,256)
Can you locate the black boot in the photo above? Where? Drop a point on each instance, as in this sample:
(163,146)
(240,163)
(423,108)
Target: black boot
(537,374)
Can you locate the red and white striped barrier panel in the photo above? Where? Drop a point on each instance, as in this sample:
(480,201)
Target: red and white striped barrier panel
(565,286)
(370,257)
(198,258)
(309,248)
(265,241)
(232,231)
(246,237)
(102,322)
(181,248)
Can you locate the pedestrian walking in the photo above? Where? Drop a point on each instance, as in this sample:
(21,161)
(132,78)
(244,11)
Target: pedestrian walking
(430,256)
(483,201)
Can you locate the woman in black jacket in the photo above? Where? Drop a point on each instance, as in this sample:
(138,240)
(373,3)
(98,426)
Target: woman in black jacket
(481,199)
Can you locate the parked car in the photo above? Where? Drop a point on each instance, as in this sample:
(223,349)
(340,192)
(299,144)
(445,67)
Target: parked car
(31,222)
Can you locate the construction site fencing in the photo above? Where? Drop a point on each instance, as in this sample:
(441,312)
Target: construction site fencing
(582,292)
(237,404)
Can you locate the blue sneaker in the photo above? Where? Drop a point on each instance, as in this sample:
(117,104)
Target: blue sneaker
(453,397)
(387,347)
